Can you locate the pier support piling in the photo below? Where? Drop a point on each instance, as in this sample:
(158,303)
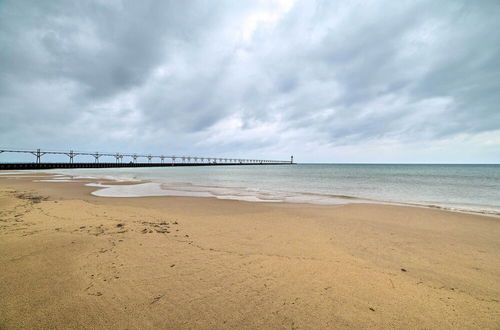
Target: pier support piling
(38,154)
(96,157)
(71,155)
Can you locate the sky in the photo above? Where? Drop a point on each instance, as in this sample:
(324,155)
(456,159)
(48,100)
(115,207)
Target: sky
(325,81)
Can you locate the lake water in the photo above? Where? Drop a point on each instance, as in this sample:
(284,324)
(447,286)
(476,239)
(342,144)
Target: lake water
(473,188)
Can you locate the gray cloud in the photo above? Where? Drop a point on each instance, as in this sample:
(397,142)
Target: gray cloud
(265,78)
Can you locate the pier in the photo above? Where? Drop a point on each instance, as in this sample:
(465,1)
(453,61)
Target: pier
(126,160)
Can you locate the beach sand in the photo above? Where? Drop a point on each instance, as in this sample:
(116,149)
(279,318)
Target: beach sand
(72,260)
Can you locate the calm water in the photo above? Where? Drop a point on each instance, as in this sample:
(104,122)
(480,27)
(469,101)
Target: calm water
(460,187)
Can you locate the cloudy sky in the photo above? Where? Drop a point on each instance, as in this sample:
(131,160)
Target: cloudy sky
(326,81)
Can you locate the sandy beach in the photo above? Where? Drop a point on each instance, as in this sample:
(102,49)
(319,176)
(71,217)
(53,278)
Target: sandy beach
(72,260)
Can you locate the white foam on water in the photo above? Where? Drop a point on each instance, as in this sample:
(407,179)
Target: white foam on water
(55,180)
(58,178)
(151,189)
(148,189)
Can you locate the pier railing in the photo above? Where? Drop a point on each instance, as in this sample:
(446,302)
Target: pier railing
(128,160)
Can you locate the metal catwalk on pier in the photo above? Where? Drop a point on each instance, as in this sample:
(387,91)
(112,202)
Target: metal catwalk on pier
(126,160)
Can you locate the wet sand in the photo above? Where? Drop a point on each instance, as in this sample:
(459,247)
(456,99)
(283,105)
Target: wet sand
(72,260)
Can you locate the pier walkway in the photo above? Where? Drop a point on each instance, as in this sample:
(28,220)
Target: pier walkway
(127,160)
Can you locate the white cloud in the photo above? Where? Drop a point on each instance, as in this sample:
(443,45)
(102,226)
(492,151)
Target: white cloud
(327,81)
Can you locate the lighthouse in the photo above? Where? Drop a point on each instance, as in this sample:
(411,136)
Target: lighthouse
(291,160)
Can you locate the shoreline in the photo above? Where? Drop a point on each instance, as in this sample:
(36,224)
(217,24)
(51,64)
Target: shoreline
(71,259)
(342,199)
(170,191)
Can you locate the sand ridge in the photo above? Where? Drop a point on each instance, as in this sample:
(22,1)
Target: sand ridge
(72,260)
